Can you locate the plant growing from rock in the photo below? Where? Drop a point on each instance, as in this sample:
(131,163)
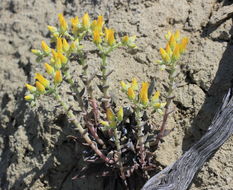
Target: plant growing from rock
(119,137)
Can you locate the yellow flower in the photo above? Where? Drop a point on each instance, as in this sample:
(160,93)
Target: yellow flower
(134,84)
(168,35)
(58,77)
(86,21)
(176,53)
(156,96)
(110,115)
(109,36)
(160,105)
(96,37)
(36,52)
(49,68)
(40,87)
(59,45)
(29,97)
(45,47)
(131,93)
(123,85)
(62,58)
(62,22)
(168,50)
(42,80)
(100,23)
(164,55)
(183,44)
(58,63)
(74,45)
(30,87)
(120,114)
(74,23)
(65,44)
(172,42)
(143,95)
(104,123)
(52,29)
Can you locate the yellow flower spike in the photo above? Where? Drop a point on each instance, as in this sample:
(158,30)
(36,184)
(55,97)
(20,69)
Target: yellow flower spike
(58,64)
(29,97)
(40,87)
(109,36)
(143,95)
(176,53)
(120,114)
(134,84)
(52,29)
(59,45)
(63,58)
(45,47)
(96,37)
(177,35)
(172,42)
(168,50)
(74,24)
(42,80)
(164,55)
(58,77)
(131,93)
(54,53)
(66,46)
(123,85)
(49,69)
(100,23)
(86,21)
(168,35)
(125,40)
(183,45)
(156,96)
(62,22)
(104,123)
(30,87)
(110,115)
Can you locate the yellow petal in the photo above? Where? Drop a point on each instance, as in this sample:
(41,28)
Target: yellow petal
(120,114)
(59,45)
(172,42)
(156,96)
(164,55)
(176,53)
(86,21)
(49,68)
(143,95)
(52,29)
(40,87)
(104,123)
(131,93)
(58,77)
(63,23)
(110,115)
(63,58)
(109,36)
(30,87)
(177,35)
(42,80)
(183,44)
(45,47)
(134,84)
(65,45)
(96,37)
(29,97)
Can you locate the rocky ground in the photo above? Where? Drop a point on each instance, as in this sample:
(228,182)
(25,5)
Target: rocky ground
(34,150)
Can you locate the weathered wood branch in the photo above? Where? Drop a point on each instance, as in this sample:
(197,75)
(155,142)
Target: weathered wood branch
(179,175)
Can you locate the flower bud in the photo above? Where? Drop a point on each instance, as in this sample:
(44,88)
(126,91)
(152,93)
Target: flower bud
(29,97)
(40,87)
(30,87)
(58,77)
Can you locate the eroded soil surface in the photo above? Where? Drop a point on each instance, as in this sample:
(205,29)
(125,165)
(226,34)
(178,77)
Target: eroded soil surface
(35,152)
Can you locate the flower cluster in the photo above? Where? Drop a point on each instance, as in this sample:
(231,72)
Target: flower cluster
(67,44)
(141,97)
(174,48)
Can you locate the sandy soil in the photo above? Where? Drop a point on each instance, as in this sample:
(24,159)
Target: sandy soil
(34,150)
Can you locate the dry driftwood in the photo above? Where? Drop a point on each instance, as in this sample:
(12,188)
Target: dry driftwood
(179,175)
